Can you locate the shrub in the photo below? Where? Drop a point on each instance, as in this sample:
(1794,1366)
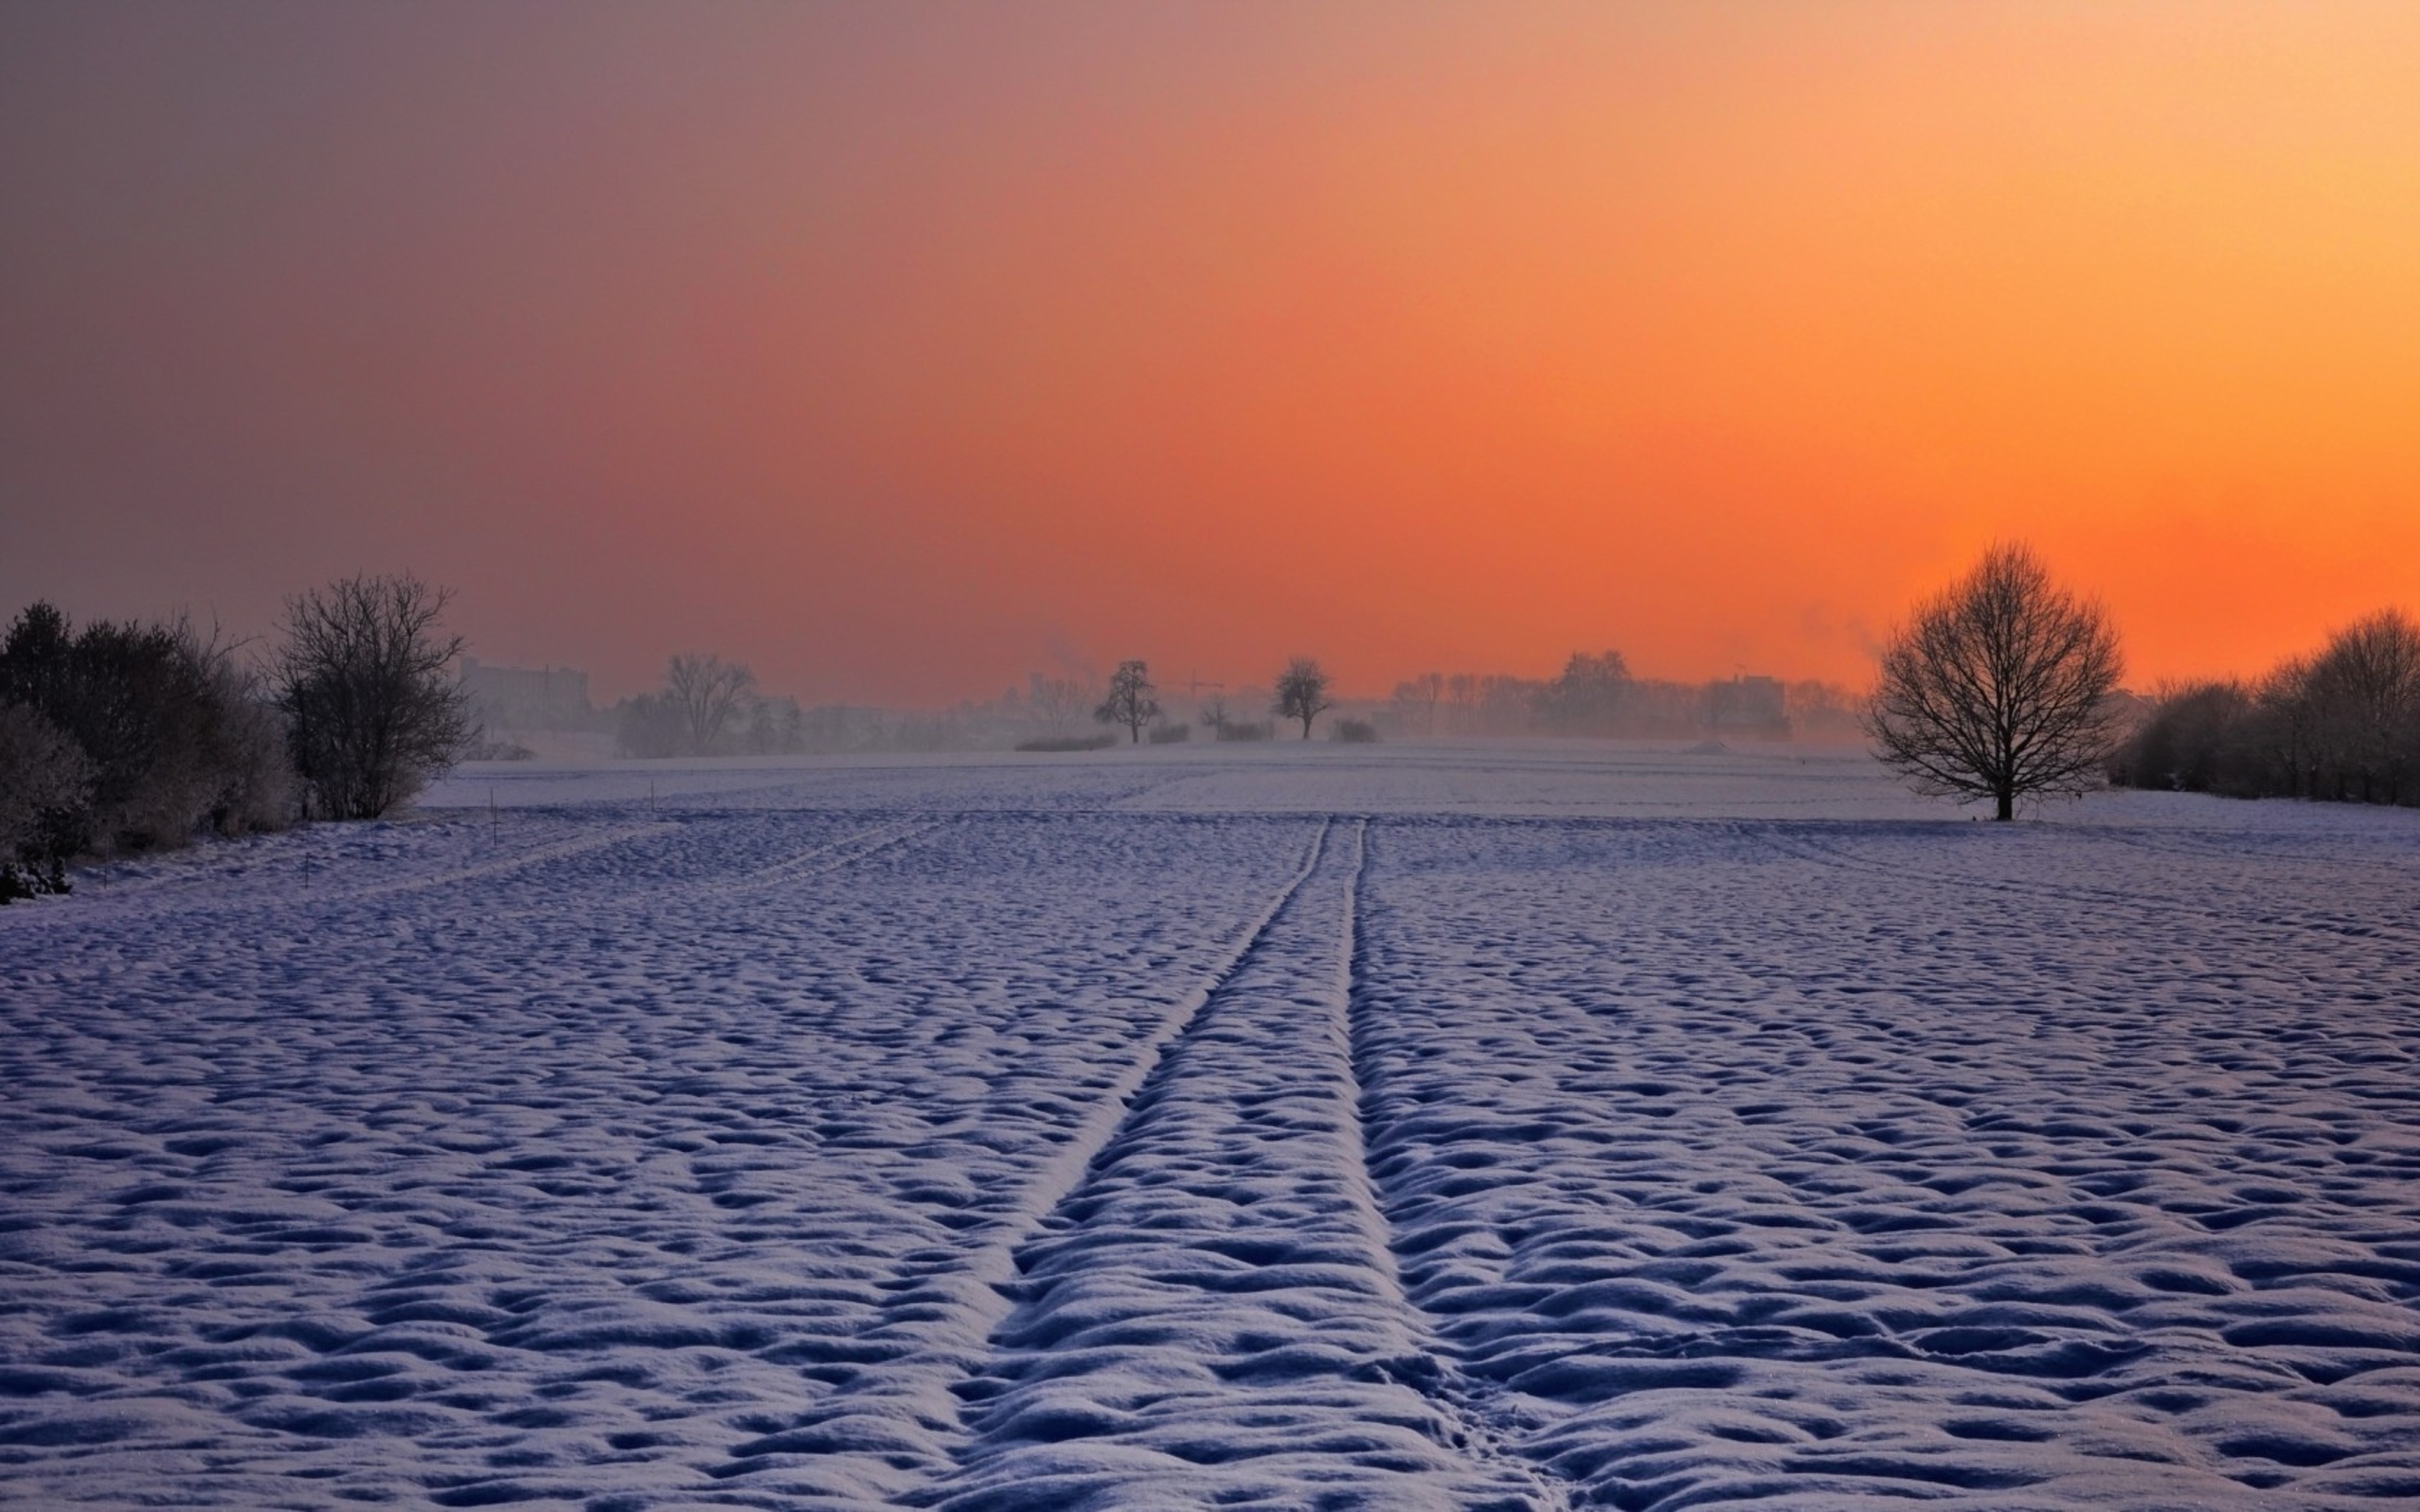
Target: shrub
(1354,732)
(1065,743)
(1171,734)
(45,781)
(172,728)
(1248,730)
(647,726)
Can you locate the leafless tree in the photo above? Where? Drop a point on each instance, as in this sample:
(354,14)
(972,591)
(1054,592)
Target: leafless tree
(1059,702)
(709,693)
(1213,712)
(1301,692)
(372,709)
(1417,697)
(1129,702)
(1999,688)
(2365,697)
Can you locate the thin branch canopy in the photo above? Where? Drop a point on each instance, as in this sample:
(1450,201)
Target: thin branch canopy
(373,709)
(709,693)
(1301,692)
(1131,699)
(1998,689)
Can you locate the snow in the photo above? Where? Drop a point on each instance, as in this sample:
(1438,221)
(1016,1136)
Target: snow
(1427,1125)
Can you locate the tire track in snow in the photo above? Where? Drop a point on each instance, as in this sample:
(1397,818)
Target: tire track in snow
(1488,1427)
(1212,1316)
(896,1426)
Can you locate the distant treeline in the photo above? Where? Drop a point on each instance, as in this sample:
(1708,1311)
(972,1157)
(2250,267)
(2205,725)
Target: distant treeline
(1596,694)
(2341,724)
(710,706)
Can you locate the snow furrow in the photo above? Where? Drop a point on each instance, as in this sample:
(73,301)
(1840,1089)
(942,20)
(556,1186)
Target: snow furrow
(1742,1178)
(2387,915)
(1490,1425)
(530,1192)
(1211,1318)
(895,1425)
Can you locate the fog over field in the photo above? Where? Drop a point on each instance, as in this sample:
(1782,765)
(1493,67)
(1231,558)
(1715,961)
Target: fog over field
(1442,1124)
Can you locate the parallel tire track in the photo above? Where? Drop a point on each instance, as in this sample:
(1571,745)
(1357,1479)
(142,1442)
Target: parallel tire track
(1212,1316)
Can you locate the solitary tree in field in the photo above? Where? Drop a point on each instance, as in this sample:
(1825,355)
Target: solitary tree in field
(1301,692)
(1998,688)
(1129,702)
(372,707)
(709,693)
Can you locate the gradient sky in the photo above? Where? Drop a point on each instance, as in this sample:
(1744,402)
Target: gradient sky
(899,349)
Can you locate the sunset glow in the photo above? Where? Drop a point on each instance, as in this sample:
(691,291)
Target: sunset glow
(900,350)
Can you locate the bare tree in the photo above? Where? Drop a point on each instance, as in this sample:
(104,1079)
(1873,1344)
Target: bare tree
(1129,702)
(1417,697)
(708,693)
(1059,701)
(2364,691)
(1997,689)
(1301,692)
(373,709)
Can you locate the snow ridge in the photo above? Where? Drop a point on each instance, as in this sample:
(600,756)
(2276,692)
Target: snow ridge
(1212,1317)
(895,1425)
(1489,1425)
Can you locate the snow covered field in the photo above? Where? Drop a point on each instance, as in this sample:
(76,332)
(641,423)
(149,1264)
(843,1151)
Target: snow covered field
(1409,1126)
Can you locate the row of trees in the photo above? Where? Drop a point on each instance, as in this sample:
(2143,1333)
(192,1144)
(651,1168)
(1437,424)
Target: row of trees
(2341,722)
(130,737)
(1134,704)
(1596,695)
(2005,686)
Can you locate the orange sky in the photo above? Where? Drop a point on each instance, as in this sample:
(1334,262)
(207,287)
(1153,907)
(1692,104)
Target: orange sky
(898,350)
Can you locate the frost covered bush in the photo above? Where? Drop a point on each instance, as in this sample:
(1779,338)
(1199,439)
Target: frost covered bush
(172,731)
(44,783)
(372,709)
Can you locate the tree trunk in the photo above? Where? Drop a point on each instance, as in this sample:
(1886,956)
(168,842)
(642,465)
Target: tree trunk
(2007,806)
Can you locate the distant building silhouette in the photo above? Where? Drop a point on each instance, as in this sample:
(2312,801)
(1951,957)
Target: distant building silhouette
(528,698)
